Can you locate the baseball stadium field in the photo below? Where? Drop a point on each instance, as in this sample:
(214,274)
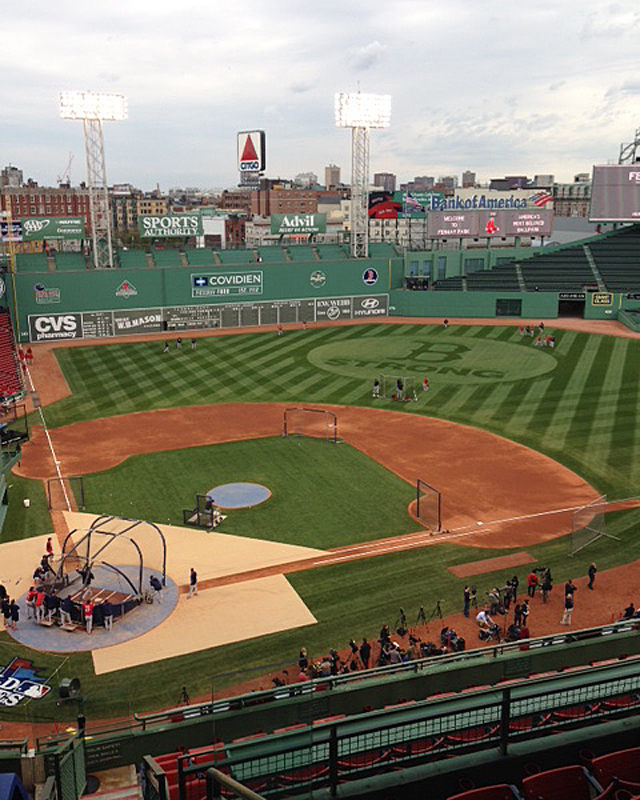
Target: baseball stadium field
(516,437)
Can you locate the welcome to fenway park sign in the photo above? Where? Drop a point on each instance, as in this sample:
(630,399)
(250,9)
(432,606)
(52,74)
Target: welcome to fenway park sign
(170,225)
(20,681)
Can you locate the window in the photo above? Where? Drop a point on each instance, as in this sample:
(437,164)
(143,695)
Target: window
(413,268)
(473,265)
(441,266)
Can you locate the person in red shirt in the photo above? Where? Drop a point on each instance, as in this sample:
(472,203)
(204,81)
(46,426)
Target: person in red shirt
(532,582)
(87,610)
(31,603)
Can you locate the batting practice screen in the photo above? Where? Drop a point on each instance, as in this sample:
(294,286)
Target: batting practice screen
(316,422)
(428,506)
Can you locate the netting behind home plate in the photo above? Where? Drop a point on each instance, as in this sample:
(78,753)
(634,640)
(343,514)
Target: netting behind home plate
(316,422)
(588,525)
(428,502)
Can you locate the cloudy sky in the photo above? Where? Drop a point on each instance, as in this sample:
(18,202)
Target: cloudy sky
(498,87)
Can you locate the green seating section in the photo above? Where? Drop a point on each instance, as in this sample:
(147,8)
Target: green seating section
(504,278)
(166,258)
(70,261)
(237,256)
(201,257)
(302,253)
(331,252)
(617,258)
(272,255)
(134,259)
(558,271)
(31,262)
(450,284)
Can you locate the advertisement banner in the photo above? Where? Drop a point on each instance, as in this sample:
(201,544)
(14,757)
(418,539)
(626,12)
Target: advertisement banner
(615,193)
(225,284)
(449,224)
(416,204)
(16,231)
(53,327)
(38,228)
(294,224)
(170,225)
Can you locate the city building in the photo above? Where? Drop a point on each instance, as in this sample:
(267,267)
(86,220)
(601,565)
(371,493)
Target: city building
(468,179)
(573,199)
(39,201)
(11,177)
(332,177)
(385,180)
(306,180)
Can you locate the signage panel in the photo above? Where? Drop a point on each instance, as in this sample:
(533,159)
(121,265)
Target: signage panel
(252,151)
(38,228)
(333,309)
(54,327)
(226,284)
(293,224)
(601,299)
(170,226)
(615,193)
(449,224)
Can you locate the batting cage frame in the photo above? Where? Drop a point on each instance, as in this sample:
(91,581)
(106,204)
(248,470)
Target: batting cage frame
(317,423)
(390,388)
(65,488)
(428,506)
(202,515)
(588,525)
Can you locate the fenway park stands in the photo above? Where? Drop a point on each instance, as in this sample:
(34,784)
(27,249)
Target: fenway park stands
(10,378)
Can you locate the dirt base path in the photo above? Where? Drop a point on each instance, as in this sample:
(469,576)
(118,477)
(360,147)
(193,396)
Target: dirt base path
(495,493)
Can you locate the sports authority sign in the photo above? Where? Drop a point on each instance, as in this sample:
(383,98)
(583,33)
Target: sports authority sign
(252,151)
(225,284)
(20,681)
(38,228)
(170,225)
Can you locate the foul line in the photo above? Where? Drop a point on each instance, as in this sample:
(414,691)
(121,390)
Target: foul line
(56,463)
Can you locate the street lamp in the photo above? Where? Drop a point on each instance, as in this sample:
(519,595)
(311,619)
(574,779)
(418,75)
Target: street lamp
(360,112)
(93,108)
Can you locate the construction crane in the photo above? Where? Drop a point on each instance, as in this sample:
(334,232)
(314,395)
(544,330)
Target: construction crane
(65,178)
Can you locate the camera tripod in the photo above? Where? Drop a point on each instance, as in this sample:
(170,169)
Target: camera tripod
(401,623)
(422,617)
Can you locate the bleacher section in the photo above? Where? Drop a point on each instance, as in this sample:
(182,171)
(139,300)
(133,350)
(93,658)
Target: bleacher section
(10,377)
(133,259)
(331,252)
(31,262)
(617,258)
(201,257)
(503,278)
(70,261)
(166,258)
(302,253)
(450,284)
(272,255)
(237,257)
(566,270)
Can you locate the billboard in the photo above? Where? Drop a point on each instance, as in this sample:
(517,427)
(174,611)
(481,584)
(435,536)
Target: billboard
(384,205)
(38,228)
(481,224)
(294,224)
(16,231)
(224,284)
(615,193)
(169,225)
(416,204)
(252,151)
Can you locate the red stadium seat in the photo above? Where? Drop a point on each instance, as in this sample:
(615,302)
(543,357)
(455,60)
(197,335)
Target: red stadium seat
(623,764)
(559,784)
(501,791)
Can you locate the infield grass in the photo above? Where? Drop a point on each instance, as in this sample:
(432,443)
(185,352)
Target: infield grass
(322,495)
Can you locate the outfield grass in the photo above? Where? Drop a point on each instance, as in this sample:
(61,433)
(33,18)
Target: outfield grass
(323,495)
(579,404)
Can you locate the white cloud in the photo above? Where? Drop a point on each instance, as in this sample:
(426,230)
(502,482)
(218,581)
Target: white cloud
(494,87)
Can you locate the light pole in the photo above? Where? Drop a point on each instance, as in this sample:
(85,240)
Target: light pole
(93,109)
(360,112)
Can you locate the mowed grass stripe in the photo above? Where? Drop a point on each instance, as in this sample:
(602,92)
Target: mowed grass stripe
(555,436)
(584,410)
(624,437)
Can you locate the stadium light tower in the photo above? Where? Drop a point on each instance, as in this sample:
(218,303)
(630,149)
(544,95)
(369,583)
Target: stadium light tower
(93,109)
(360,112)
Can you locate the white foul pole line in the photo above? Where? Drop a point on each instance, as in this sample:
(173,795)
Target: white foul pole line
(56,463)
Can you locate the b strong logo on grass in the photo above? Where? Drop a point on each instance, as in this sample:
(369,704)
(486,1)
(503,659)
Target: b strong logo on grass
(456,361)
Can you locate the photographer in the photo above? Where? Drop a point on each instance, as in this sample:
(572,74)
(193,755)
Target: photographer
(547,584)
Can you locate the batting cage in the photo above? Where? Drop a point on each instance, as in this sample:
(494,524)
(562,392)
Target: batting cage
(403,388)
(428,506)
(316,422)
(588,524)
(202,515)
(65,493)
